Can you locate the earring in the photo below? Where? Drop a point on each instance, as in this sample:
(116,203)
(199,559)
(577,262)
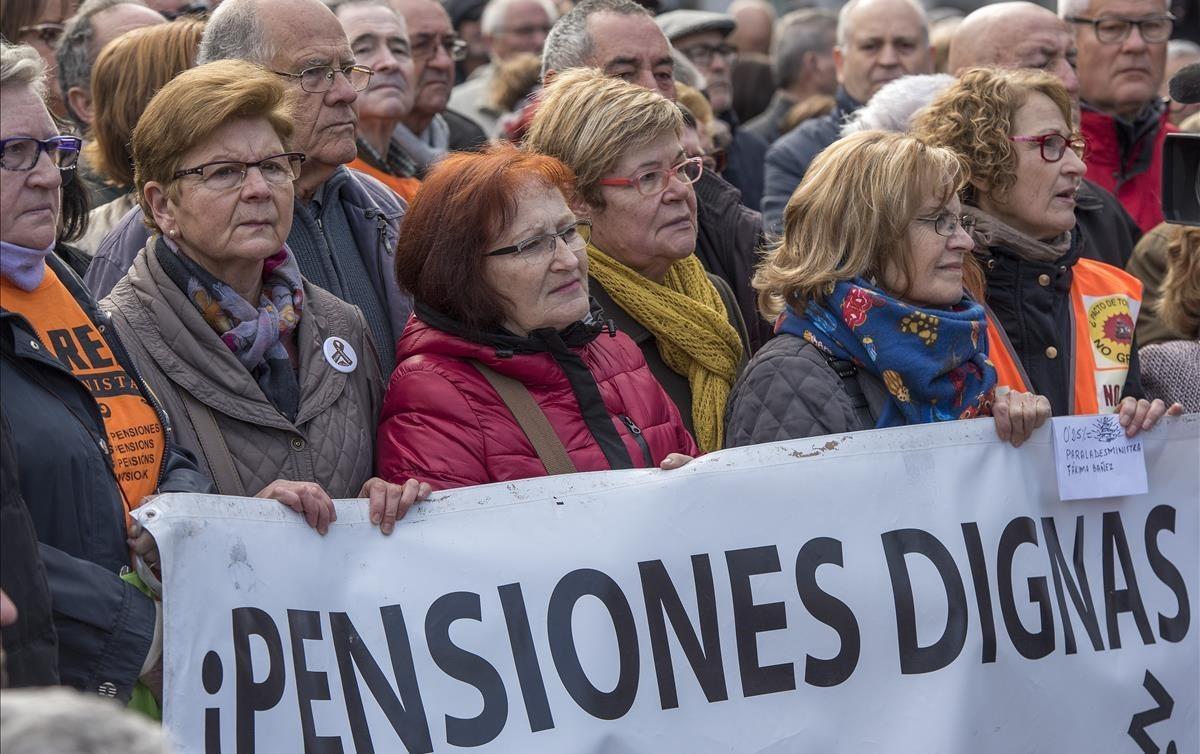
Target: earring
(173,232)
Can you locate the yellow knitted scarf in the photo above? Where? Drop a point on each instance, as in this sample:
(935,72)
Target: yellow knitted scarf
(688,319)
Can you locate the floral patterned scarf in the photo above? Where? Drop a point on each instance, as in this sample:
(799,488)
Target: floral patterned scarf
(933,361)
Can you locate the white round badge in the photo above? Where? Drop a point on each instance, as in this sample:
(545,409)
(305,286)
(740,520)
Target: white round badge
(340,355)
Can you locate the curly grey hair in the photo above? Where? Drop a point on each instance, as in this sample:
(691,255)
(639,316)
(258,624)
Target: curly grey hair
(20,65)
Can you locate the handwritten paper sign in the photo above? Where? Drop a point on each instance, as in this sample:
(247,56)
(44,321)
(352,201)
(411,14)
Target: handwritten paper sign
(1094,458)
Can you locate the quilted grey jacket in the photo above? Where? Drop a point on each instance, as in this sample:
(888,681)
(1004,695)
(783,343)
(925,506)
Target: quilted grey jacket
(332,440)
(789,391)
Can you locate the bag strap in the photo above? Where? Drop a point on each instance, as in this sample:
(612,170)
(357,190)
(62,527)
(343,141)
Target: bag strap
(848,373)
(212,443)
(532,420)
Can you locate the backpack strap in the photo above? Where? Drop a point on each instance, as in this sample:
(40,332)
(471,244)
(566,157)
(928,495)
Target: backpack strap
(531,419)
(848,373)
(212,443)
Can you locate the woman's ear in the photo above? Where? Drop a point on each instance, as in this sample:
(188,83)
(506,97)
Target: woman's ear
(160,206)
(580,206)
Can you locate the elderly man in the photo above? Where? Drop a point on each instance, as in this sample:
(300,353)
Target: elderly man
(430,130)
(345,223)
(755,25)
(803,67)
(702,37)
(877,41)
(1024,35)
(95,24)
(1122,59)
(510,28)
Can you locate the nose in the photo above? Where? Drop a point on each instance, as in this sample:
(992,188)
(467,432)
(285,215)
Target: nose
(441,58)
(1135,42)
(888,55)
(255,187)
(1073,164)
(45,174)
(342,92)
(645,79)
(1065,72)
(565,258)
(961,241)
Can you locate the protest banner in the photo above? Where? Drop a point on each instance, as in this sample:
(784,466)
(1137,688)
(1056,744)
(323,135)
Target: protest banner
(912,590)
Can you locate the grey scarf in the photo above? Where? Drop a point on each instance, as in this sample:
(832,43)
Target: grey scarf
(429,145)
(990,232)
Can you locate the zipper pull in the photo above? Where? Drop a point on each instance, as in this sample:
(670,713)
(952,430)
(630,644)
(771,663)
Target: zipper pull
(634,429)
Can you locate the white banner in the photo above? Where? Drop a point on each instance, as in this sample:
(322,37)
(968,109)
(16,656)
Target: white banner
(911,590)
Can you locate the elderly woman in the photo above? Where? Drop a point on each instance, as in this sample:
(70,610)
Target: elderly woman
(273,381)
(39,24)
(1066,323)
(508,370)
(634,183)
(70,398)
(867,285)
(128,71)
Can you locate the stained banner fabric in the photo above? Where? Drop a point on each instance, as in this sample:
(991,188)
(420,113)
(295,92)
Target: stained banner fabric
(910,590)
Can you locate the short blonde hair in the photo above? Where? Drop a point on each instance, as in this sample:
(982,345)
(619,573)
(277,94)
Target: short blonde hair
(1179,296)
(974,117)
(192,106)
(850,216)
(588,120)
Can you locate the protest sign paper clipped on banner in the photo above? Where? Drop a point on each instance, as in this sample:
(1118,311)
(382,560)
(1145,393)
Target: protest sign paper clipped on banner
(1094,459)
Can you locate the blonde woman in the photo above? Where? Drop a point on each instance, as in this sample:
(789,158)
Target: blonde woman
(875,328)
(1171,369)
(634,182)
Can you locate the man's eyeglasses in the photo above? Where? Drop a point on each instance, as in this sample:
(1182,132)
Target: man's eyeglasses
(539,248)
(424,47)
(319,78)
(22,152)
(947,223)
(223,175)
(654,182)
(1054,146)
(702,54)
(1115,29)
(48,33)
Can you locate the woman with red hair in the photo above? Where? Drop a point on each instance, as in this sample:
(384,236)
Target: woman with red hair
(508,368)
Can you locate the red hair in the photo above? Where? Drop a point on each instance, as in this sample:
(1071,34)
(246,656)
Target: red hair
(463,204)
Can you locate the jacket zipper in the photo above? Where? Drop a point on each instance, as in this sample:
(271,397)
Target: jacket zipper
(636,431)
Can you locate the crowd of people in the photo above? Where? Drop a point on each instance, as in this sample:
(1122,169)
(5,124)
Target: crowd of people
(303,250)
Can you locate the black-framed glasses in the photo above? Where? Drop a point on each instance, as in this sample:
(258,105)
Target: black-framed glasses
(540,247)
(425,46)
(1054,146)
(1115,29)
(319,78)
(21,153)
(654,182)
(947,223)
(48,33)
(225,175)
(702,54)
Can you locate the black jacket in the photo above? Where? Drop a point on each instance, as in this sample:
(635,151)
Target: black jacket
(744,162)
(105,626)
(1109,233)
(1036,316)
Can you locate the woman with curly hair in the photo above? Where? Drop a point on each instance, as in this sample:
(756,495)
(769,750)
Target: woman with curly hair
(1065,323)
(1171,370)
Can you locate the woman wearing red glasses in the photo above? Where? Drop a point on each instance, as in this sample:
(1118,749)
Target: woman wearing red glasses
(1065,322)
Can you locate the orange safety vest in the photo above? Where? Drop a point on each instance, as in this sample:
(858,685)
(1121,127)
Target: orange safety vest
(1105,302)
(405,188)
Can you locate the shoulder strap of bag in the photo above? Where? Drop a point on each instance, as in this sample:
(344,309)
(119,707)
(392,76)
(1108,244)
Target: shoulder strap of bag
(532,420)
(212,443)
(848,373)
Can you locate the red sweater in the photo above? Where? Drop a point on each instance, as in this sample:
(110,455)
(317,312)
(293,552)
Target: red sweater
(1134,178)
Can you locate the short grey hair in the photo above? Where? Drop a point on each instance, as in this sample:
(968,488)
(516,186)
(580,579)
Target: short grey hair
(568,45)
(33,721)
(494,12)
(20,65)
(1080,7)
(897,102)
(844,18)
(235,32)
(74,56)
(797,34)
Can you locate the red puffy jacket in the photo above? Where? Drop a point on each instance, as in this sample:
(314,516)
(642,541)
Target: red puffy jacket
(444,424)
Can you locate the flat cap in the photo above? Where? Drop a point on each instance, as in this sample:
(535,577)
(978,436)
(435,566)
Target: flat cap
(681,23)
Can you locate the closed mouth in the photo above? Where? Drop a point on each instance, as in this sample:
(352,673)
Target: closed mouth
(567,286)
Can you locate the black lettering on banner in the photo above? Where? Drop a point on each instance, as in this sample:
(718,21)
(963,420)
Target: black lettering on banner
(829,610)
(1031,645)
(897,545)
(310,685)
(467,667)
(1162,518)
(570,588)
(65,350)
(255,696)
(983,590)
(406,713)
(109,384)
(529,670)
(1129,599)
(92,348)
(750,619)
(662,598)
(1081,595)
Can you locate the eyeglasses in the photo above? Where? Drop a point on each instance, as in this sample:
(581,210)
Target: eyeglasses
(947,223)
(277,170)
(319,78)
(539,248)
(654,182)
(1054,146)
(702,54)
(192,9)
(22,152)
(426,47)
(48,33)
(1115,29)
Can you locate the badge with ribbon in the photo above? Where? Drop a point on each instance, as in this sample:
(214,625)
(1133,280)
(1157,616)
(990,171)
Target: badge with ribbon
(340,355)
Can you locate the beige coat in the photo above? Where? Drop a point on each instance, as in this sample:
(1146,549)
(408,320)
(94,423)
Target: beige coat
(331,442)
